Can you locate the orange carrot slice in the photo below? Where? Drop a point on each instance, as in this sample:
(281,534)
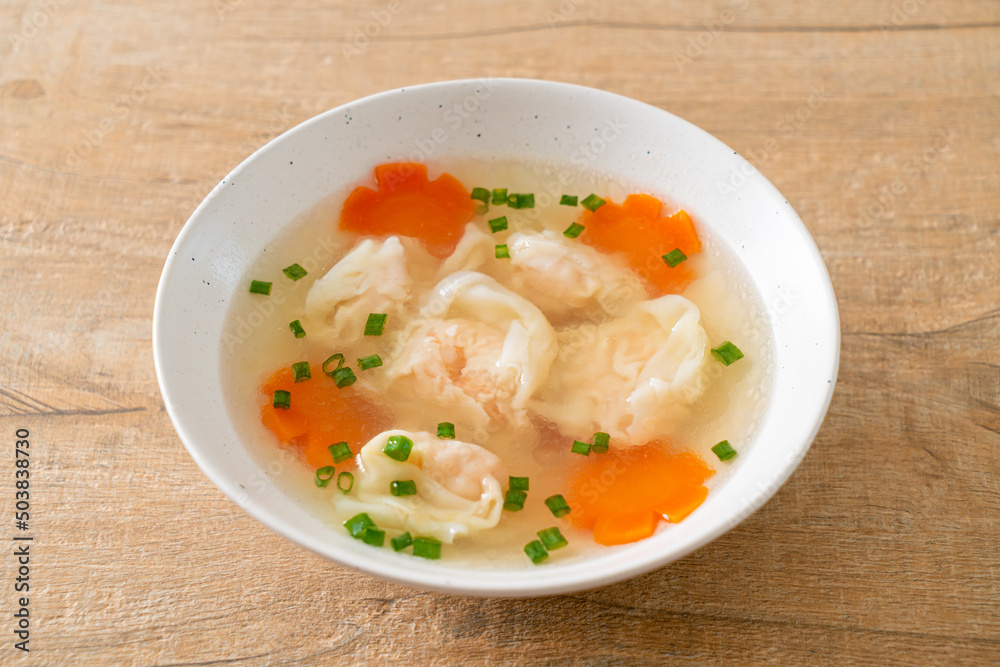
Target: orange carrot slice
(623,494)
(320,415)
(407,203)
(636,229)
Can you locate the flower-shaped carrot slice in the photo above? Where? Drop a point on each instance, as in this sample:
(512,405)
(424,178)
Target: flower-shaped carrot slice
(407,203)
(622,495)
(636,229)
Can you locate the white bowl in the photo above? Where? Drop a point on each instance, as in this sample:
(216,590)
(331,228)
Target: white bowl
(638,142)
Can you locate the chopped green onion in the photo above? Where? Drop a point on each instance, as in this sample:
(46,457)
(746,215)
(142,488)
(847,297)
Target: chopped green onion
(498,224)
(558,505)
(260,287)
(536,552)
(514,500)
(501,252)
(398,447)
(323,476)
(499,196)
(359,524)
(674,257)
(282,399)
(581,448)
(567,200)
(342,375)
(519,483)
(375,324)
(340,451)
(295,272)
(551,538)
(592,202)
(371,361)
(446,431)
(349,482)
(727,353)
(427,547)
(573,230)
(403,487)
(521,200)
(724,450)
(374,537)
(301,372)
(601,442)
(297,329)
(482,194)
(400,542)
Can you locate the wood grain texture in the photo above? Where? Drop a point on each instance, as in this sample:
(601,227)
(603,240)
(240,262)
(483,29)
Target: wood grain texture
(879,120)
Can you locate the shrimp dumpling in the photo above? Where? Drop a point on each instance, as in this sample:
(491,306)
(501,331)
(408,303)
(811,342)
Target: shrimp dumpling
(630,377)
(477,352)
(459,487)
(568,280)
(375,277)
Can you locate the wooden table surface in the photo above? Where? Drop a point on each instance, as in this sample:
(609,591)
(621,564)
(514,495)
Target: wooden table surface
(878,119)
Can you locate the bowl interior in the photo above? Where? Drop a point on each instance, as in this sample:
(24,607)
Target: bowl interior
(506,118)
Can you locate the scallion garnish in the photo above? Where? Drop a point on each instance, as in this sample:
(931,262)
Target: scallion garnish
(727,353)
(342,375)
(573,230)
(297,329)
(446,431)
(374,537)
(340,451)
(724,450)
(375,324)
(524,200)
(498,224)
(282,399)
(557,505)
(403,487)
(514,500)
(499,196)
(581,448)
(568,200)
(519,483)
(260,287)
(371,361)
(301,371)
(295,272)
(501,252)
(674,257)
(482,194)
(551,538)
(535,551)
(427,547)
(400,542)
(601,442)
(358,525)
(398,447)
(592,202)
(324,475)
(345,482)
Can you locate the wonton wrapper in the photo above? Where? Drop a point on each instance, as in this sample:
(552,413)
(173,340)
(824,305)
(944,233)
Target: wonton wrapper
(459,487)
(630,377)
(474,355)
